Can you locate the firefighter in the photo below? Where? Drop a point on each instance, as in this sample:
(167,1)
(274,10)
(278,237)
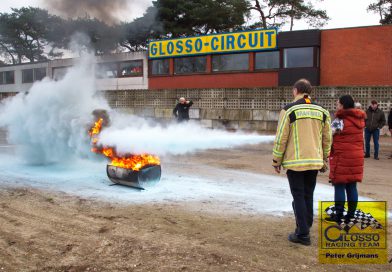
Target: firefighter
(302,146)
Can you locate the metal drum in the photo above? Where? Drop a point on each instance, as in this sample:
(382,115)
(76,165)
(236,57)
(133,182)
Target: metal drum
(147,176)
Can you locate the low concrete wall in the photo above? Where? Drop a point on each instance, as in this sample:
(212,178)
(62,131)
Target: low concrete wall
(247,109)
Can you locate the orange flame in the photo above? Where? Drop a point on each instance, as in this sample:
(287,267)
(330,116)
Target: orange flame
(96,129)
(134,162)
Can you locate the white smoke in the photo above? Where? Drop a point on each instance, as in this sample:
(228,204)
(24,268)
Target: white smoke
(49,123)
(135,136)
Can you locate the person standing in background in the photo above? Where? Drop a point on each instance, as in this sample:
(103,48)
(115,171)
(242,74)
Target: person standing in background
(346,159)
(375,120)
(358,105)
(181,110)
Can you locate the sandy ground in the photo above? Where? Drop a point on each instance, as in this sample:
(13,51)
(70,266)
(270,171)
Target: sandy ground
(52,231)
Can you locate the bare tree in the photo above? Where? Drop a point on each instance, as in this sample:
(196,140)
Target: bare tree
(277,12)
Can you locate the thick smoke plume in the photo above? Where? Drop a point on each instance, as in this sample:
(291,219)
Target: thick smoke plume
(109,11)
(49,124)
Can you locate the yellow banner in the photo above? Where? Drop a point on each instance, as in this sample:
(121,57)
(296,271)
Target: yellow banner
(255,40)
(361,239)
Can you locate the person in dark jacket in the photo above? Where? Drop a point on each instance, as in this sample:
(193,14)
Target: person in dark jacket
(375,120)
(181,111)
(346,158)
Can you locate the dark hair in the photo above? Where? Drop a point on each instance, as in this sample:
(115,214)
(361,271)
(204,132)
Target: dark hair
(303,86)
(374,102)
(347,101)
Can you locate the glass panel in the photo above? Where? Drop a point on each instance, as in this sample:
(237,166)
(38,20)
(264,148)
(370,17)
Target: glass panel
(39,73)
(267,60)
(160,67)
(107,70)
(2,78)
(190,65)
(131,68)
(59,72)
(27,76)
(298,57)
(9,77)
(232,62)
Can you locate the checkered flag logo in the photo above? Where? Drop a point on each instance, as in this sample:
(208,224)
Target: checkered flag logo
(361,220)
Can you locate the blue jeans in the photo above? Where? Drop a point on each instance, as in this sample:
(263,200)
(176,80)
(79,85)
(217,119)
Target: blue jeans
(376,136)
(340,198)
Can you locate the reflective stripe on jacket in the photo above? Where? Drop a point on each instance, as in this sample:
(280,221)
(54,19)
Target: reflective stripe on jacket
(303,137)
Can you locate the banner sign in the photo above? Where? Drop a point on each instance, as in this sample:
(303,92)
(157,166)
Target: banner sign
(246,41)
(358,239)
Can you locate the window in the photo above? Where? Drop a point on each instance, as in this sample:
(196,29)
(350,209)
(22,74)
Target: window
(27,76)
(107,70)
(160,67)
(31,75)
(59,72)
(267,60)
(232,62)
(7,77)
(131,68)
(119,69)
(39,73)
(298,57)
(190,65)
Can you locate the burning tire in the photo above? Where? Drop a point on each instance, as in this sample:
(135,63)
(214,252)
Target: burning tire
(141,179)
(134,170)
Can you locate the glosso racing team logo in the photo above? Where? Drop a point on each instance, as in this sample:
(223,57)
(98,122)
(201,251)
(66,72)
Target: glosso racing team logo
(357,239)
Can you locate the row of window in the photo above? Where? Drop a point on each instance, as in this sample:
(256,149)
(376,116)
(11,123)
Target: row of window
(119,69)
(131,68)
(31,75)
(28,76)
(293,58)
(103,70)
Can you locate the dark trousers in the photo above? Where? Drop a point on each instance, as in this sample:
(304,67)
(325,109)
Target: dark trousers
(302,184)
(376,136)
(340,198)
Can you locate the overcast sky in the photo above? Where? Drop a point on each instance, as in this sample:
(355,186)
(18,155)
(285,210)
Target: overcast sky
(343,13)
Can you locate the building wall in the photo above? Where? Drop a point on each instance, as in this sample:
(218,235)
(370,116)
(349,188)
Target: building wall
(359,56)
(255,109)
(226,80)
(356,56)
(18,86)
(249,109)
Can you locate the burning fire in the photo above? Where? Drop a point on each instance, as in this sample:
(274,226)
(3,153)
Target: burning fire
(134,162)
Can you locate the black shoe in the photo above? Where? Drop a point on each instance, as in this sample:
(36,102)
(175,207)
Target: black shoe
(334,218)
(376,158)
(300,239)
(367,156)
(347,218)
